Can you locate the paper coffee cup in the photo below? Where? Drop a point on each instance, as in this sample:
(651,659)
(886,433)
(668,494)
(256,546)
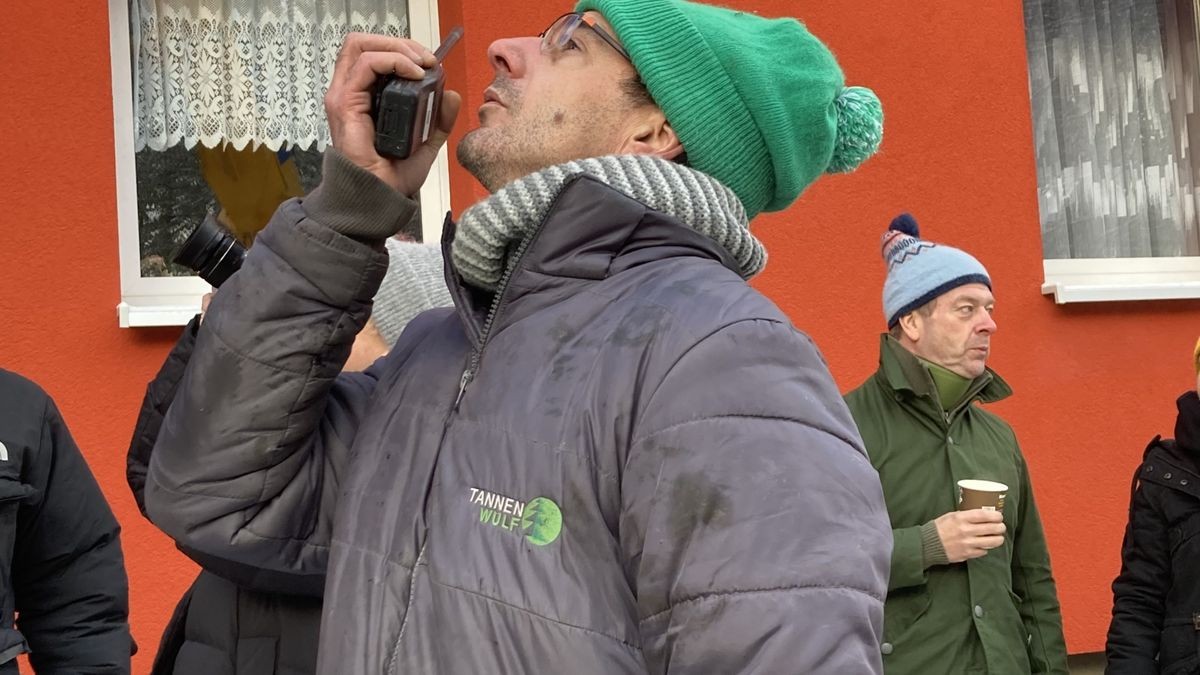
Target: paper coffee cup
(981,494)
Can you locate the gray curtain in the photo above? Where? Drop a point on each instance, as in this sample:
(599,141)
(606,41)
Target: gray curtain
(1116,120)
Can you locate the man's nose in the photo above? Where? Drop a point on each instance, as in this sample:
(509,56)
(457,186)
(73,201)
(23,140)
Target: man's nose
(988,325)
(512,57)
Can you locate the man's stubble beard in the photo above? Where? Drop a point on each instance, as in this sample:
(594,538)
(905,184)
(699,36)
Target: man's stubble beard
(490,154)
(524,144)
(482,160)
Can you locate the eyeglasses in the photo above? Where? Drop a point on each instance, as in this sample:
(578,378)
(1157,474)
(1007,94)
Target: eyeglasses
(558,36)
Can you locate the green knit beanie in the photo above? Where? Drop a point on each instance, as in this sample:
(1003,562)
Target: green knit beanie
(759,104)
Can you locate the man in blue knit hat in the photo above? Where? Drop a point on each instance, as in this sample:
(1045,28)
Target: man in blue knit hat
(612,456)
(970,588)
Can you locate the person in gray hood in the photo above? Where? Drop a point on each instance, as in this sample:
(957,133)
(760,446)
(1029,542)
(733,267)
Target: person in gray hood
(612,455)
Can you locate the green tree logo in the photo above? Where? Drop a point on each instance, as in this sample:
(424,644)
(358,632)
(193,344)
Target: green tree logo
(542,521)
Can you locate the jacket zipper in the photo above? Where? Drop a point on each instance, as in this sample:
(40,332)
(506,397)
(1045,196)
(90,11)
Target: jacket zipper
(949,416)
(476,355)
(501,291)
(467,376)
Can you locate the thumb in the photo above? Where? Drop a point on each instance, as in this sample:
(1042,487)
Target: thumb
(447,114)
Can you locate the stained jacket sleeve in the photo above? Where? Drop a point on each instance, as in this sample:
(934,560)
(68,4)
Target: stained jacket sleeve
(753,525)
(1139,590)
(160,392)
(71,592)
(1034,585)
(247,464)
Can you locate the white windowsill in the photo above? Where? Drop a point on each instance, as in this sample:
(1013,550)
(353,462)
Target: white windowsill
(145,316)
(1122,279)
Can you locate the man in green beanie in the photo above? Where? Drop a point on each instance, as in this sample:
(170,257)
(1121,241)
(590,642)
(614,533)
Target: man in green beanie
(613,455)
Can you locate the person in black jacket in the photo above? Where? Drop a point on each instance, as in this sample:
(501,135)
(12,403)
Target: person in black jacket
(64,596)
(1156,599)
(240,620)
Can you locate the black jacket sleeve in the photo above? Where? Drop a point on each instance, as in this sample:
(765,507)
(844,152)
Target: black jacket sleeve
(1139,591)
(157,400)
(72,595)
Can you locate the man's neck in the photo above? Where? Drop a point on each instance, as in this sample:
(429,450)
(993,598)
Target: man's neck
(951,387)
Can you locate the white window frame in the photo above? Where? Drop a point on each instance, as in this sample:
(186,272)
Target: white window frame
(1121,279)
(173,301)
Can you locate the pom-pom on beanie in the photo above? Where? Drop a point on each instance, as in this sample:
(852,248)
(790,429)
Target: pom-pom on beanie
(760,104)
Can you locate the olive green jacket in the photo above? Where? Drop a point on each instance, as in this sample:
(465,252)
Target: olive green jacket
(998,614)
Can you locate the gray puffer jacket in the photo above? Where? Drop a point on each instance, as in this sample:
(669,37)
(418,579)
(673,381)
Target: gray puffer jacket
(629,462)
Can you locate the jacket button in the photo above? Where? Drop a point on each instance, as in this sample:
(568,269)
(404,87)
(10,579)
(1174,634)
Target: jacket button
(1183,482)
(1149,468)
(979,611)
(886,648)
(1167,475)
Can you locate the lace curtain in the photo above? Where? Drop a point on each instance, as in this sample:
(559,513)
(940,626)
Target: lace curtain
(242,71)
(1116,120)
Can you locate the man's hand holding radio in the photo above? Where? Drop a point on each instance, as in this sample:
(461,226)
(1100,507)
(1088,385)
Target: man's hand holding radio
(362,60)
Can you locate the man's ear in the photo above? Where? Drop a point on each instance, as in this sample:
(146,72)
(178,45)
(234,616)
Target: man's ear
(651,134)
(910,326)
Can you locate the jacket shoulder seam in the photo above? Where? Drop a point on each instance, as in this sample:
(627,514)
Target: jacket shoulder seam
(242,355)
(697,341)
(750,416)
(795,588)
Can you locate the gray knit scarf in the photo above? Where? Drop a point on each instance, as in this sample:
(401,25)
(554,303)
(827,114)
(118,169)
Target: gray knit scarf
(491,230)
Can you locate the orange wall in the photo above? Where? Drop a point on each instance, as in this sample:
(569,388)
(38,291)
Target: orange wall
(59,283)
(1093,383)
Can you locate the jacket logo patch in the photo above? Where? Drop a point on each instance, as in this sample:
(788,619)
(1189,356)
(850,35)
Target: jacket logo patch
(3,452)
(539,519)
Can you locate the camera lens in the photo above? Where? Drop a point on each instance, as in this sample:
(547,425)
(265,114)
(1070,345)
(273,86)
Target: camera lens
(211,252)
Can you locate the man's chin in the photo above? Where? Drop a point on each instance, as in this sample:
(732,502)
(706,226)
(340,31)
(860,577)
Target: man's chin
(479,160)
(977,368)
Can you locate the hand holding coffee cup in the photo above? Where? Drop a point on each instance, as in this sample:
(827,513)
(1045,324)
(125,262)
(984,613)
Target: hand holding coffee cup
(970,534)
(981,494)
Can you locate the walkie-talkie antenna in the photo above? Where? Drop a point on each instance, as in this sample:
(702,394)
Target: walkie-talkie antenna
(444,48)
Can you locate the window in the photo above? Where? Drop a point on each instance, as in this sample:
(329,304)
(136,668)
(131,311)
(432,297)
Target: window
(1115,97)
(217,108)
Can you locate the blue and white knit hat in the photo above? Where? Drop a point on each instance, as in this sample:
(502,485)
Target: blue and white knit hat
(919,271)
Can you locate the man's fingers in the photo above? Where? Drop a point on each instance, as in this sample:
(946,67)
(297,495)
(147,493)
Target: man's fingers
(982,516)
(984,530)
(989,543)
(205,300)
(356,44)
(365,71)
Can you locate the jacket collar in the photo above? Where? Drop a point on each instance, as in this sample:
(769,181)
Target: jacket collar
(1187,423)
(591,232)
(901,371)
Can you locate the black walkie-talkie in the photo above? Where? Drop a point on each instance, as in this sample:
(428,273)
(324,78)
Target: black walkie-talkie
(405,110)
